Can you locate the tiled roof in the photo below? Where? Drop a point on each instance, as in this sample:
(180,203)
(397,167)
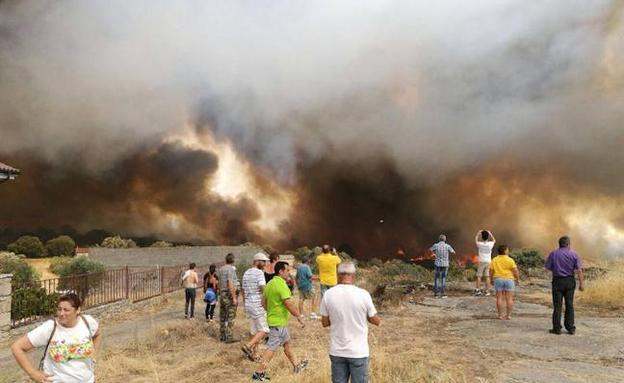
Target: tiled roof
(8,169)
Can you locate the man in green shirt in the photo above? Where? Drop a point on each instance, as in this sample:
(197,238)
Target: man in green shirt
(278,304)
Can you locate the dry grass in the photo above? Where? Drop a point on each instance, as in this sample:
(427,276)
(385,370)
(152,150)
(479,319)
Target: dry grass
(42,265)
(187,351)
(606,291)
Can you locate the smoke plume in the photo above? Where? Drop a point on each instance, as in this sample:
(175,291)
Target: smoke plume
(374,124)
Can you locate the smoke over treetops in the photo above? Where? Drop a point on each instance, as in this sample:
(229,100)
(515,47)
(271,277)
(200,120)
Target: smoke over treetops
(297,123)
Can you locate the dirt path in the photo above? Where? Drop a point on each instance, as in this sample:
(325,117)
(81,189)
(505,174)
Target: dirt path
(522,350)
(448,340)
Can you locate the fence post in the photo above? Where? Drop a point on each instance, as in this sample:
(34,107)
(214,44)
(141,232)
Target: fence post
(5,305)
(160,277)
(127,284)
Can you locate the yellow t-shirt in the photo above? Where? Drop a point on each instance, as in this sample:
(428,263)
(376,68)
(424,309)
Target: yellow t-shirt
(503,266)
(327,268)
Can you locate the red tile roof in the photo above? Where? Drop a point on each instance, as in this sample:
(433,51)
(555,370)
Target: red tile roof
(8,169)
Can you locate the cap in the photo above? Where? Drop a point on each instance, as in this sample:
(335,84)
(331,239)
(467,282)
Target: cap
(260,257)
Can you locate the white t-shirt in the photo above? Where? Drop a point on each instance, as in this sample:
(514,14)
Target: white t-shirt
(348,308)
(70,355)
(253,281)
(485,250)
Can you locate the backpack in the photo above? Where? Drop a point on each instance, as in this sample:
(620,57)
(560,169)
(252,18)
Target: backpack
(210,295)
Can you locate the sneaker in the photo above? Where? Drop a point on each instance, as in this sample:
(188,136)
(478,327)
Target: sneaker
(185,316)
(301,366)
(477,292)
(260,376)
(444,296)
(556,332)
(571,332)
(487,293)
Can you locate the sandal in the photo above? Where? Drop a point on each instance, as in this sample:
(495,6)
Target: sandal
(248,353)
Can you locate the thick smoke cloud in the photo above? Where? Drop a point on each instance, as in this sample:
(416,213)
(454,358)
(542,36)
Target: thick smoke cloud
(433,116)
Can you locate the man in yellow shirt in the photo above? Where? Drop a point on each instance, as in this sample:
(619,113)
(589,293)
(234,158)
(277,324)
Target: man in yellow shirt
(327,264)
(504,272)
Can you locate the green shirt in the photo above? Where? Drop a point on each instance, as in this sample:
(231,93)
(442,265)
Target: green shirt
(275,292)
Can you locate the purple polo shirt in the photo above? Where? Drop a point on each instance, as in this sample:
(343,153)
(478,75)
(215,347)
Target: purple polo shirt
(562,262)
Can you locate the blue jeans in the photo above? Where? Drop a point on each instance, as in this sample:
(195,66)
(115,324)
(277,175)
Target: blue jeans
(343,368)
(440,275)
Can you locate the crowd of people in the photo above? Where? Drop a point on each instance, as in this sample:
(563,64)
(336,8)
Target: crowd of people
(502,273)
(70,340)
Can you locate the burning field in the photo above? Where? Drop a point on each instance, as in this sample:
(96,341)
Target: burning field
(293,124)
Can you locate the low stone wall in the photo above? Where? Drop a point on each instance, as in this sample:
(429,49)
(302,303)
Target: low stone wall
(5,305)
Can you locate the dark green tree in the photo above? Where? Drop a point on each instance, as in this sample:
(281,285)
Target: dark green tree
(29,246)
(60,246)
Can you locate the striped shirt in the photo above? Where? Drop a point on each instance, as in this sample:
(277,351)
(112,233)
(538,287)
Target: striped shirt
(253,282)
(441,251)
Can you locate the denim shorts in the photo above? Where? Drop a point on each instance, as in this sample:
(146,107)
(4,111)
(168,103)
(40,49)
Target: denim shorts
(278,336)
(504,284)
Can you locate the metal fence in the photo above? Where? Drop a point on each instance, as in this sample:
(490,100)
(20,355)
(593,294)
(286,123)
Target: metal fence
(34,301)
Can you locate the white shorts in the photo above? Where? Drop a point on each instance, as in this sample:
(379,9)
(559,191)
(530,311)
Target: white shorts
(258,324)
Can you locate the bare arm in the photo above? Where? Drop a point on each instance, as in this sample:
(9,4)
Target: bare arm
(477,236)
(581,279)
(516,274)
(492,236)
(293,310)
(491,274)
(232,289)
(97,340)
(325,321)
(19,350)
(376,320)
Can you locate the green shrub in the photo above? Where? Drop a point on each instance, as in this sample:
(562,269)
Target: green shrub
(23,273)
(399,271)
(72,278)
(58,263)
(462,273)
(27,245)
(117,242)
(241,266)
(60,246)
(303,252)
(32,301)
(78,265)
(528,257)
(161,244)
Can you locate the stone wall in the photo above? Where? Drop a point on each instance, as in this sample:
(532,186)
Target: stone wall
(5,305)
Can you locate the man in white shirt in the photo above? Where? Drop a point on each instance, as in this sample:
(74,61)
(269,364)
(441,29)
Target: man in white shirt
(253,288)
(485,243)
(348,309)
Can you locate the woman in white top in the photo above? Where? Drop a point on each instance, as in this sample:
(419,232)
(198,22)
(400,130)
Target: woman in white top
(70,341)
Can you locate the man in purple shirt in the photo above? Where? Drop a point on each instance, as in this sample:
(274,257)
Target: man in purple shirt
(563,262)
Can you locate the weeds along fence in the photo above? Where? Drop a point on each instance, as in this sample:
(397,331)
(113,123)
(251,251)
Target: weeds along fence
(38,299)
